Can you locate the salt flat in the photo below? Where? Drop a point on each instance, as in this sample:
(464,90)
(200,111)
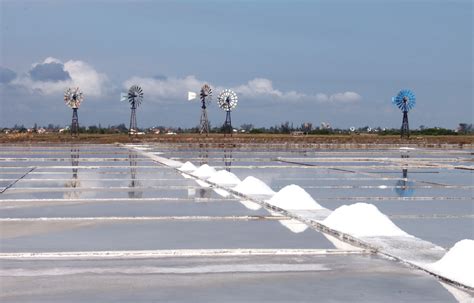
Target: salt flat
(425,195)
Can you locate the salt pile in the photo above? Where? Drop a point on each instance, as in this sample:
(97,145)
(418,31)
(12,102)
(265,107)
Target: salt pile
(363,220)
(458,263)
(224,177)
(294,197)
(202,183)
(187,167)
(294,226)
(253,186)
(204,171)
(250,205)
(221,192)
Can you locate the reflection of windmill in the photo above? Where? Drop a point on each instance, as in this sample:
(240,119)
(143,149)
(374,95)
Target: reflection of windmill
(405,101)
(403,187)
(135,97)
(133,176)
(74,182)
(227,157)
(73,98)
(227,101)
(204,193)
(203,153)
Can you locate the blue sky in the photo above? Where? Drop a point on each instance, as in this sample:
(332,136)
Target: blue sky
(299,61)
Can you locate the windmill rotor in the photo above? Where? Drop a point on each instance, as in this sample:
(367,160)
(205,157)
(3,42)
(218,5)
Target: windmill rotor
(206,94)
(227,100)
(73,97)
(404,188)
(405,100)
(135,95)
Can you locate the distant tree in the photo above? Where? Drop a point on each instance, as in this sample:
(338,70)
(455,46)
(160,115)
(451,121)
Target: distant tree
(247,127)
(465,128)
(122,128)
(307,127)
(285,128)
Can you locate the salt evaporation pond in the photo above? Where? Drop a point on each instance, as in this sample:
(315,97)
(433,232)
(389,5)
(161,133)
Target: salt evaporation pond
(138,206)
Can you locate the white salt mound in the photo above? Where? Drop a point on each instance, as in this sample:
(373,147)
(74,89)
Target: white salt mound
(221,192)
(187,167)
(202,183)
(253,186)
(293,197)
(458,263)
(362,220)
(250,205)
(223,177)
(204,171)
(294,226)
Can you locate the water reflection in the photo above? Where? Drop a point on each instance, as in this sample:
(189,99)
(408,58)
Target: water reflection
(204,193)
(404,187)
(203,153)
(134,181)
(74,182)
(228,157)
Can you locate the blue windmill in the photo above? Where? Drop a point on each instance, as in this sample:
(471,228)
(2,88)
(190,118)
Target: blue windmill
(405,101)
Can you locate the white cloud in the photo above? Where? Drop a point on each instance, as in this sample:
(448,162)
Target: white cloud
(81,74)
(346,97)
(175,89)
(165,89)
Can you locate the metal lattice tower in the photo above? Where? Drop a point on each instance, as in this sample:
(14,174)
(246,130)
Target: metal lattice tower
(133,120)
(405,101)
(206,97)
(227,101)
(73,98)
(227,127)
(74,123)
(405,129)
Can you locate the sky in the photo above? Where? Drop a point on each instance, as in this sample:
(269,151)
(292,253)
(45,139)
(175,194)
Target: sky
(339,62)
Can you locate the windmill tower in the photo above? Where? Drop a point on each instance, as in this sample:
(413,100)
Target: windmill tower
(405,101)
(135,97)
(73,98)
(227,101)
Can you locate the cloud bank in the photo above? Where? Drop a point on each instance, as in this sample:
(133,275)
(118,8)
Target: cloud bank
(52,76)
(162,89)
(6,75)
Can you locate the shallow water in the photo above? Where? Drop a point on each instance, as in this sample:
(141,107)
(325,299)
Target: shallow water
(425,195)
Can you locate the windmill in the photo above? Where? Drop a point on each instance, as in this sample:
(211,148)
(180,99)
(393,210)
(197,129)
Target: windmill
(227,100)
(205,96)
(73,98)
(135,97)
(405,101)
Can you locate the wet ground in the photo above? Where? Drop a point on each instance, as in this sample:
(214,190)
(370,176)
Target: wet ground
(106,198)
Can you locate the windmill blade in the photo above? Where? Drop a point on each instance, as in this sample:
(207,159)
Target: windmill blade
(191,96)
